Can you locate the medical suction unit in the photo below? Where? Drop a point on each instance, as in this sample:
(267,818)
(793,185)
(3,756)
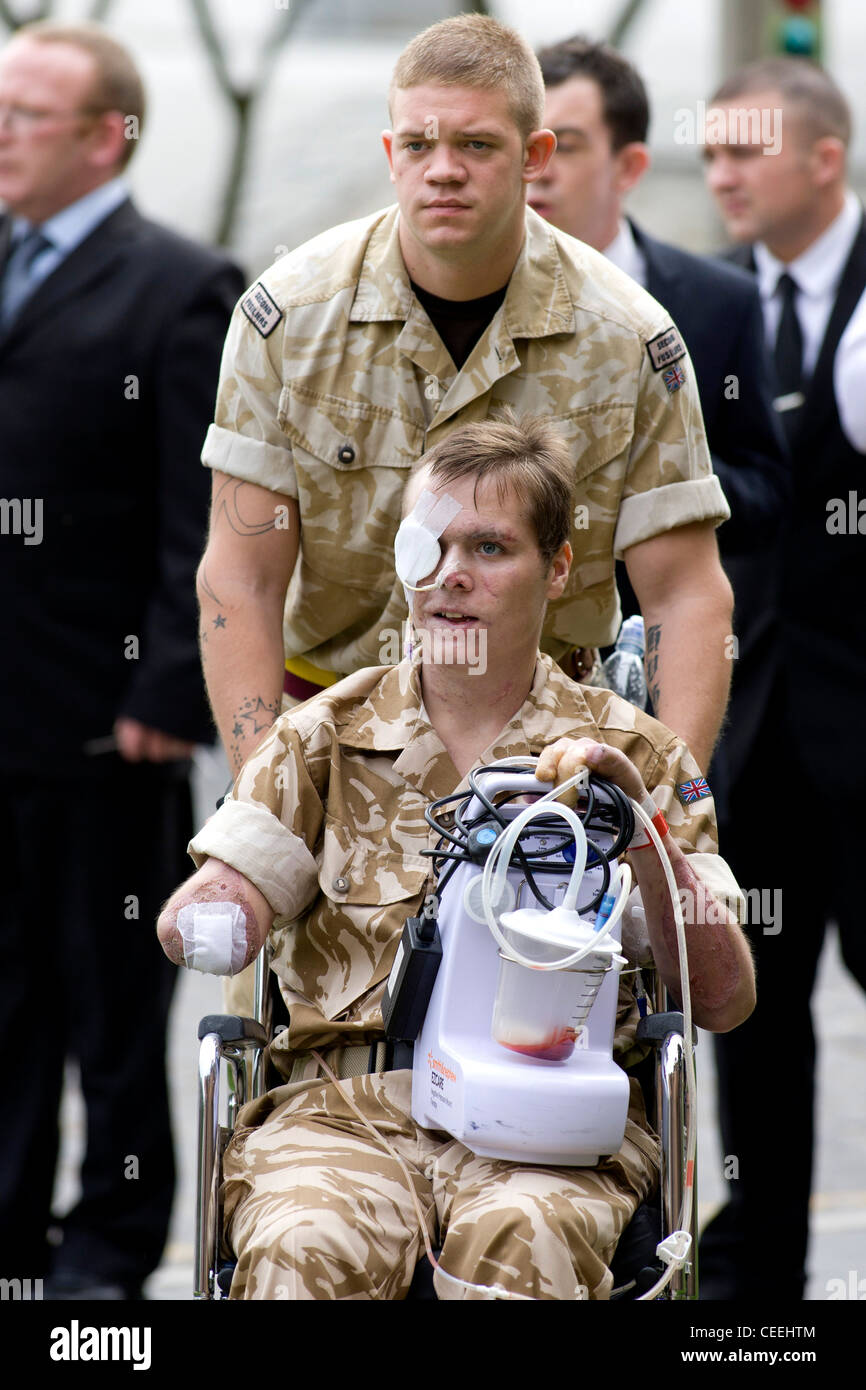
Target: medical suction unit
(508,982)
(514,1055)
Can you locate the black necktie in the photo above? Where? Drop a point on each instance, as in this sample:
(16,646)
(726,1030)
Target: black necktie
(788,354)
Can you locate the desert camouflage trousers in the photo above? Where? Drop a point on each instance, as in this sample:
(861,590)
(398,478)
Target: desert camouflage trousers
(315,1208)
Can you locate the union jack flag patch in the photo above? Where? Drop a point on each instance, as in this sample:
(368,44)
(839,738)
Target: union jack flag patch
(674,378)
(693,791)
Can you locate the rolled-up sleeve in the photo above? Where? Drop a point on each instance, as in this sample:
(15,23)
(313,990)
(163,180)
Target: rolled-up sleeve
(245,439)
(253,841)
(265,828)
(670,480)
(649,514)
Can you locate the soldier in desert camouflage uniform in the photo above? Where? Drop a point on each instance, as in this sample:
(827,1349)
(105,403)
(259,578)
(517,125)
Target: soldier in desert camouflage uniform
(371,343)
(321,842)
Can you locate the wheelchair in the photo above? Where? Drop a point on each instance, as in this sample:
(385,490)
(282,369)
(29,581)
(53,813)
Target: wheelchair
(232,1070)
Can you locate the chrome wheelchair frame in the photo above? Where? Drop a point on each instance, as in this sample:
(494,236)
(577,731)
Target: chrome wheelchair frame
(238,1045)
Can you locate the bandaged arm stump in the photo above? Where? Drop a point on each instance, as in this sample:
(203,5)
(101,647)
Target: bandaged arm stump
(216,922)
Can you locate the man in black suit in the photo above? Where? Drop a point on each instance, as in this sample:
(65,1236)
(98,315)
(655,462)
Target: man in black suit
(598,108)
(111,329)
(798,713)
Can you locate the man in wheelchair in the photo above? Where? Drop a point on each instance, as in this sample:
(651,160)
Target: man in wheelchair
(321,845)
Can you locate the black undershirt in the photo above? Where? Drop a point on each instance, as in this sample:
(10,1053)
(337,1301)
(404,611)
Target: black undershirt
(460,322)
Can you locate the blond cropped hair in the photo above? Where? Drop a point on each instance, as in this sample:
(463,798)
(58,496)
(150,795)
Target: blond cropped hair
(473,50)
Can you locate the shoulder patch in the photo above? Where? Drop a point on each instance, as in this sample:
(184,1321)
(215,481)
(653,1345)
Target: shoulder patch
(695,790)
(674,378)
(263,312)
(665,348)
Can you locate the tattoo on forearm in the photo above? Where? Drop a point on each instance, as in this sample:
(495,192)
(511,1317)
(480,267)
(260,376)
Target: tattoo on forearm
(227,499)
(253,717)
(204,584)
(204,632)
(653,642)
(227,502)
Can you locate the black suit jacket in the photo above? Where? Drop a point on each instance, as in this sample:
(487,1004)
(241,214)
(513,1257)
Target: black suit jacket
(717,309)
(803,614)
(108,378)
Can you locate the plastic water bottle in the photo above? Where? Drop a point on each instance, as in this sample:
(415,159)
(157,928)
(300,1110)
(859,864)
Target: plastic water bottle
(624,669)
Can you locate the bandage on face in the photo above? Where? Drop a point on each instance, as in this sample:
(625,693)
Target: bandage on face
(416,546)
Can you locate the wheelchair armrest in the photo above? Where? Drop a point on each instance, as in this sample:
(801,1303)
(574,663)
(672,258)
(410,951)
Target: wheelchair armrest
(231,1028)
(655,1028)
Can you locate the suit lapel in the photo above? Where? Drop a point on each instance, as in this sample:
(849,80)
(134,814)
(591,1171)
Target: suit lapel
(661,279)
(83,267)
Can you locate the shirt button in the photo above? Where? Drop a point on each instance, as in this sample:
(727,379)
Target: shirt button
(341,885)
(346,454)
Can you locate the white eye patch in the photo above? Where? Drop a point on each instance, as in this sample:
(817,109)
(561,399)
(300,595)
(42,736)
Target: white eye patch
(214,937)
(416,545)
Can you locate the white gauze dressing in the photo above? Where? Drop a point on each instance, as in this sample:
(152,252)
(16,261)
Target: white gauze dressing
(214,937)
(416,545)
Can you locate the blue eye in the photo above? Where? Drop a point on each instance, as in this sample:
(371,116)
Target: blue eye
(494,547)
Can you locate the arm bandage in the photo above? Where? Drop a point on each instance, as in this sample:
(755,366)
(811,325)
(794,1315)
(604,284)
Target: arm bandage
(214,937)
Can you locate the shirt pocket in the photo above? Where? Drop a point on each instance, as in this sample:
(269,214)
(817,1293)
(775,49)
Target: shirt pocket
(595,435)
(352,461)
(355,871)
(347,943)
(599,440)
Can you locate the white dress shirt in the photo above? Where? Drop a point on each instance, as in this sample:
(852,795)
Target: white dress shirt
(625,253)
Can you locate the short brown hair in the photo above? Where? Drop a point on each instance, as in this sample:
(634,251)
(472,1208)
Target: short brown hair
(117,84)
(806,85)
(523,453)
(473,50)
(624,101)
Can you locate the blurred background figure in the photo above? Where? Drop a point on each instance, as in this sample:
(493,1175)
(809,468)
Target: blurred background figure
(597,106)
(111,329)
(797,716)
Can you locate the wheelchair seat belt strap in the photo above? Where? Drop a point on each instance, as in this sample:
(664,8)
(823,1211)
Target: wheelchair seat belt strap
(358,1060)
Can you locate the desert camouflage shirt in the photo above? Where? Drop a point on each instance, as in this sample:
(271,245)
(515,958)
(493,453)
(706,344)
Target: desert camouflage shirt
(327,820)
(334,382)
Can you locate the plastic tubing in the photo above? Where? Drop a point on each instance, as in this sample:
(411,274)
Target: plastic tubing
(496,869)
(691,1081)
